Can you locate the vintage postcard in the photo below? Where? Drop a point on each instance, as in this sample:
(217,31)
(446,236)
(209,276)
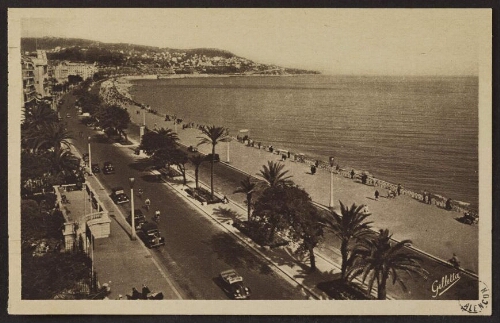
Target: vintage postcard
(303,161)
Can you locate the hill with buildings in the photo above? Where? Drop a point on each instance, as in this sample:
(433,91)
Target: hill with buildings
(132,58)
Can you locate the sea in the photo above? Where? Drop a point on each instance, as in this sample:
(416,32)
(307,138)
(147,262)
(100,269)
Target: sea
(419,131)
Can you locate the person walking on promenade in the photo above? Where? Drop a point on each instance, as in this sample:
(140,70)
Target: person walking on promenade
(145,291)
(352,173)
(448,204)
(455,261)
(429,199)
(399,189)
(376,194)
(157,216)
(147,203)
(140,192)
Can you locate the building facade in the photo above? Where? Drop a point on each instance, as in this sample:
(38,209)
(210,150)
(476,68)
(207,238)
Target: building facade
(64,69)
(28,77)
(42,83)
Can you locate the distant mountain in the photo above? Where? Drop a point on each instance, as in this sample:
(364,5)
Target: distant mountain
(47,43)
(31,44)
(151,59)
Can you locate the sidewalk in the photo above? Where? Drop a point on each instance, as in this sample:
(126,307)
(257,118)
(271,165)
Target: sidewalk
(124,262)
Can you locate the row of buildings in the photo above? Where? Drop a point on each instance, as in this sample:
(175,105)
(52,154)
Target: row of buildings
(39,76)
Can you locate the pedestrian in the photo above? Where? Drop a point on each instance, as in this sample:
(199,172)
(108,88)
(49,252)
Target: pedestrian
(429,199)
(448,204)
(455,261)
(352,173)
(316,163)
(135,294)
(399,189)
(140,192)
(376,194)
(313,169)
(145,291)
(147,203)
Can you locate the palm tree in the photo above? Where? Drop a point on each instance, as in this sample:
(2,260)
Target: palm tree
(213,135)
(274,175)
(64,162)
(54,136)
(196,160)
(247,187)
(378,259)
(39,114)
(350,227)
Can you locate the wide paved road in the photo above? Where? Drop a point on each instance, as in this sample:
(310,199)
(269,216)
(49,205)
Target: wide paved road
(196,249)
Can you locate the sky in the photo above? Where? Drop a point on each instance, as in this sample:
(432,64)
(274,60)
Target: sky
(333,41)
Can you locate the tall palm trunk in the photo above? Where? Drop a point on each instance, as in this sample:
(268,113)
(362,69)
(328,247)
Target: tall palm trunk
(382,287)
(196,171)
(249,205)
(312,257)
(212,172)
(344,253)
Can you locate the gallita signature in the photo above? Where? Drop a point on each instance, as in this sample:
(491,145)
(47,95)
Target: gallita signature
(447,281)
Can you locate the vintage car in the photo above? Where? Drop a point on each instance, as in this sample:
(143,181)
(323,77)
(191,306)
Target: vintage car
(139,218)
(95,168)
(232,284)
(150,234)
(108,168)
(209,157)
(118,195)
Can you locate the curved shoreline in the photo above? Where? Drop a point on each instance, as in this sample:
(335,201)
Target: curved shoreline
(121,86)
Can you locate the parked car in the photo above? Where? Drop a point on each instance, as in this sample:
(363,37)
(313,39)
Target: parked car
(192,149)
(95,168)
(108,168)
(150,234)
(232,284)
(209,157)
(118,195)
(139,218)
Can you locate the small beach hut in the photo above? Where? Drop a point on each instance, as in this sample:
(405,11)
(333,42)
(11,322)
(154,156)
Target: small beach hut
(243,135)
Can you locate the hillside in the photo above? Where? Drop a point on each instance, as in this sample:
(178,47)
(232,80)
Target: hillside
(151,59)
(48,43)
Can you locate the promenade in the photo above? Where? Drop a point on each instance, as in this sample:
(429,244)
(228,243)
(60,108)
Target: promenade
(118,260)
(431,229)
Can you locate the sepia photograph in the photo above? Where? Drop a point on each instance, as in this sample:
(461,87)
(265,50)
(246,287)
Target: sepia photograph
(301,161)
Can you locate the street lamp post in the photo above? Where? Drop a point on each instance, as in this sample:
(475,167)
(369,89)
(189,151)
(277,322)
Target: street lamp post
(132,215)
(90,157)
(332,162)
